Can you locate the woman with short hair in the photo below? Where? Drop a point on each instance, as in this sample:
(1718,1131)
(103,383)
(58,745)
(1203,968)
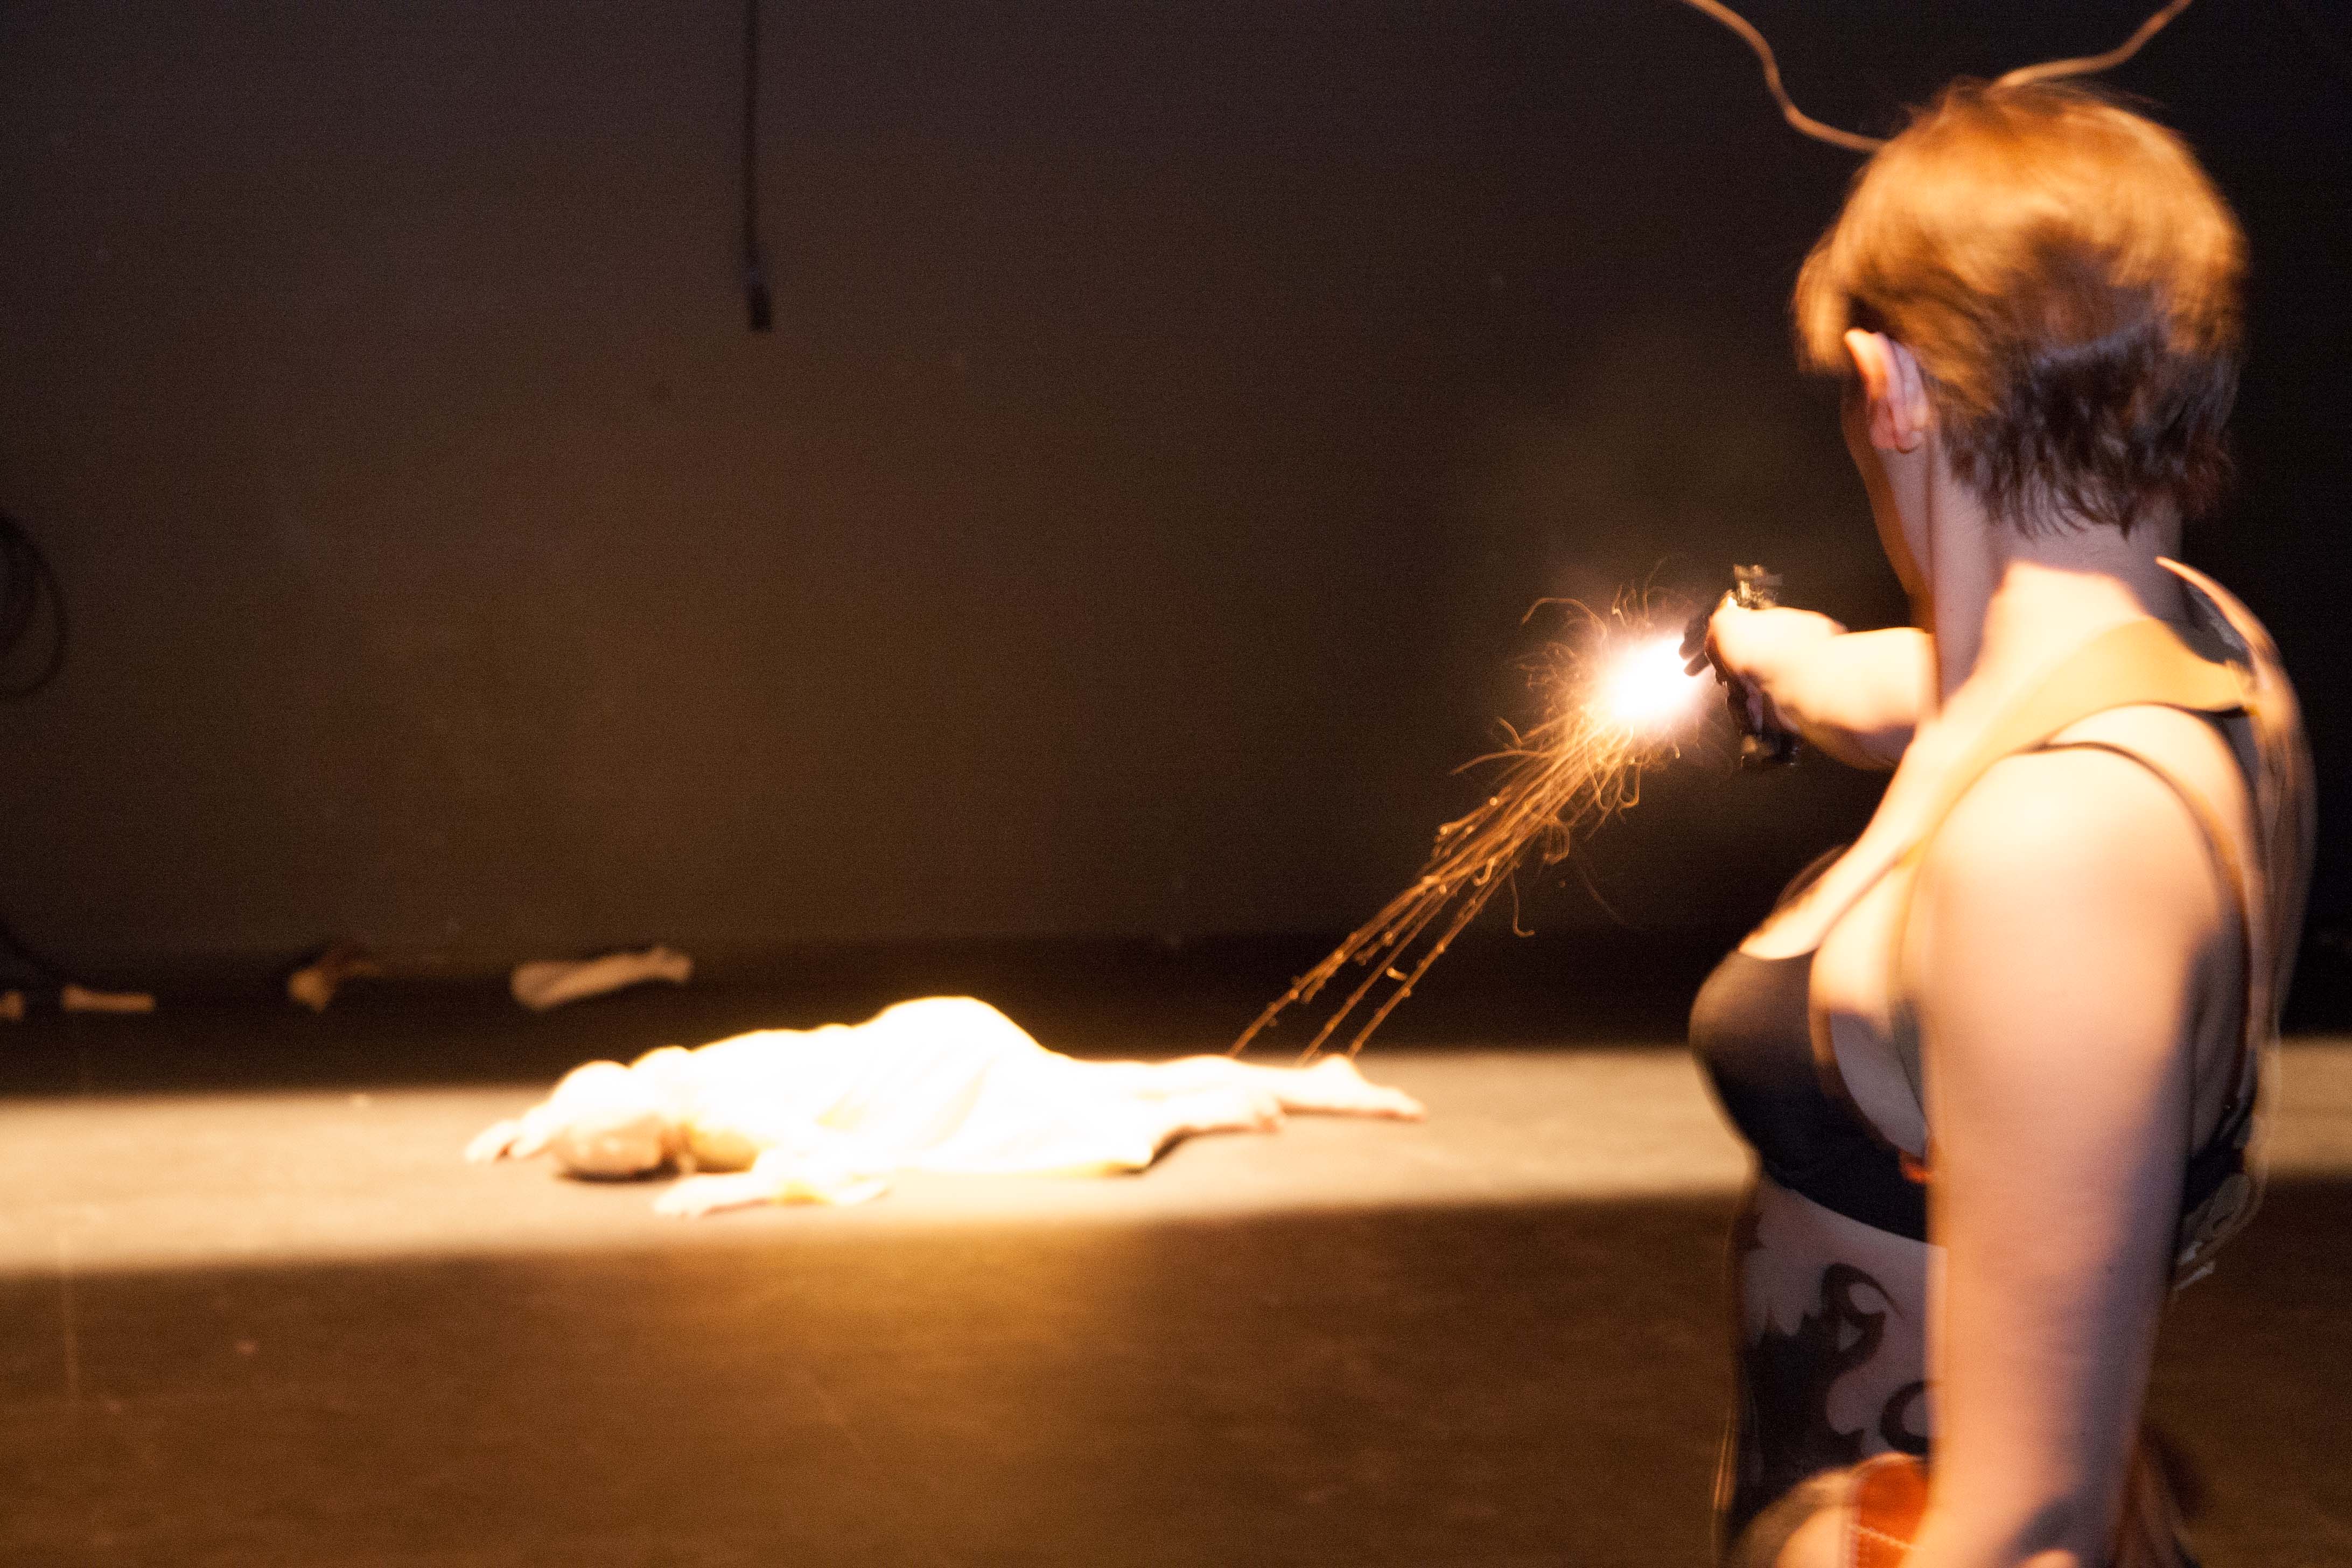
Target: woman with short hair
(1998,1057)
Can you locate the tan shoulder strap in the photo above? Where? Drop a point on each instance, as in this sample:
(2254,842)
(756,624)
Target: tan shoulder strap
(2140,663)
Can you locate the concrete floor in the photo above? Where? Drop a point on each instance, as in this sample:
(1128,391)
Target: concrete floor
(262,1314)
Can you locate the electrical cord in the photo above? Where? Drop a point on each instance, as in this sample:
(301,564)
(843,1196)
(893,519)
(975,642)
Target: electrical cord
(28,593)
(28,957)
(1855,142)
(28,585)
(755,275)
(2087,65)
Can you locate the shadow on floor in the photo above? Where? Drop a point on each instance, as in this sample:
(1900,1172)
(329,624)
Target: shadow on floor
(1502,1386)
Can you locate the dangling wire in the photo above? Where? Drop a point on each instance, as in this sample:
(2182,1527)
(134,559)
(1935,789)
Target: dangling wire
(1851,139)
(27,585)
(755,273)
(2089,65)
(2085,65)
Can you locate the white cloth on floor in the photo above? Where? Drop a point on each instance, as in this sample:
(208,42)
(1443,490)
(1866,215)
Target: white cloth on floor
(941,1084)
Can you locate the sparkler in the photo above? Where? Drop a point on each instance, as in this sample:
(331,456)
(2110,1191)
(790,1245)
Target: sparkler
(1620,702)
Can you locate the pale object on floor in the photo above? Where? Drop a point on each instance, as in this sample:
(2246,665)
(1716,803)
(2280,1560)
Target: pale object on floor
(72,998)
(943,1085)
(551,982)
(315,984)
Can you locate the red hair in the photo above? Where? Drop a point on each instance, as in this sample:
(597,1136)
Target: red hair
(2070,282)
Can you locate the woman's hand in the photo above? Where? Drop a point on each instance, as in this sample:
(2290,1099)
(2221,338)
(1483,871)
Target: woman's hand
(1738,642)
(1743,644)
(1856,696)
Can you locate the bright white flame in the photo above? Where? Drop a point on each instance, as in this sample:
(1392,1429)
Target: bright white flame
(1646,688)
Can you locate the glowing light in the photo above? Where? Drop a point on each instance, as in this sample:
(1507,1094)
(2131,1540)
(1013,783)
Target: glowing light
(1616,689)
(1646,688)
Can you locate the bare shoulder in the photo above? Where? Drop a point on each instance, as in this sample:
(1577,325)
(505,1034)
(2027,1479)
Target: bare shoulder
(2095,833)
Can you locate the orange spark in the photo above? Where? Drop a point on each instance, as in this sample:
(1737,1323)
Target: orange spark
(1620,702)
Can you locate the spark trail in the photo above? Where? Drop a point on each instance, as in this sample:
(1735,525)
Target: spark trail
(1619,700)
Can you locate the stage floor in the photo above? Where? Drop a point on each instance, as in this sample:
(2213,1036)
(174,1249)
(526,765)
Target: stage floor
(262,1314)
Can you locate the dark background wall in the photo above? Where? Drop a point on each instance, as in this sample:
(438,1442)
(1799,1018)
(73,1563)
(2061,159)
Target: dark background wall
(1170,413)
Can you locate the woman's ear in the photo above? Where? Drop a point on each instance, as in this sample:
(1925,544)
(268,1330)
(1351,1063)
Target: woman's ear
(1893,387)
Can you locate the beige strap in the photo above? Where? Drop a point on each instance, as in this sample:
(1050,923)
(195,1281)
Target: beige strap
(2141,663)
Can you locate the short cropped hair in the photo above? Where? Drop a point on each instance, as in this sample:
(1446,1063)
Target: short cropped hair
(2071,284)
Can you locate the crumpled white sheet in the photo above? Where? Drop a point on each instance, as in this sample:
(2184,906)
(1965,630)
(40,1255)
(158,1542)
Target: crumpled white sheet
(945,1084)
(939,1084)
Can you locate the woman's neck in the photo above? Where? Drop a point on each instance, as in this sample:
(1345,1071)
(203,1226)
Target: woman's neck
(2006,604)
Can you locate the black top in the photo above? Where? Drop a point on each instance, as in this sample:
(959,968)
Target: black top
(1751,1030)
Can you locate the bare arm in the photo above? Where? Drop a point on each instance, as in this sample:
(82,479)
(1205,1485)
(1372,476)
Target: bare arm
(1856,696)
(2068,907)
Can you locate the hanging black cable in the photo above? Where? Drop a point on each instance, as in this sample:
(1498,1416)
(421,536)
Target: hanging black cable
(29,594)
(34,964)
(755,276)
(28,587)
